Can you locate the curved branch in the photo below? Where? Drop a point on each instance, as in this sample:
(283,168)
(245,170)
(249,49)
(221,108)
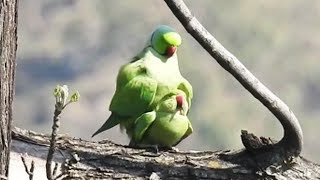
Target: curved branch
(292,140)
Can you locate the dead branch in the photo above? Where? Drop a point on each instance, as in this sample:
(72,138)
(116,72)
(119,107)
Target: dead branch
(28,171)
(292,141)
(105,159)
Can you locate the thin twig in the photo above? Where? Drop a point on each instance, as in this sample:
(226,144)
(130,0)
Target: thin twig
(29,172)
(292,140)
(61,94)
(55,169)
(55,129)
(25,165)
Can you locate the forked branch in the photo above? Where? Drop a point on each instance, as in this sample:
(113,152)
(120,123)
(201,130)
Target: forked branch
(291,142)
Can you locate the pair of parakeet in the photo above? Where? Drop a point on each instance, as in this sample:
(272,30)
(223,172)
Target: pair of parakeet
(152,98)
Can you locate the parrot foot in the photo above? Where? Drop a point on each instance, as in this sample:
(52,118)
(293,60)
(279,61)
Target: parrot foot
(165,148)
(152,147)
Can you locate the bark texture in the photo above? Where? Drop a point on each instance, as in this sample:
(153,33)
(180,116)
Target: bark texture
(8,47)
(81,159)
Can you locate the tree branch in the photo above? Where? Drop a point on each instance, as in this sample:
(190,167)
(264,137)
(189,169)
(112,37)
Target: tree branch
(81,159)
(8,48)
(292,141)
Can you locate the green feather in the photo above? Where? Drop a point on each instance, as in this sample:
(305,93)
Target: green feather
(164,127)
(145,81)
(112,121)
(142,124)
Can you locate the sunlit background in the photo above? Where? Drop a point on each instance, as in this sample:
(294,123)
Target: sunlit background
(83,43)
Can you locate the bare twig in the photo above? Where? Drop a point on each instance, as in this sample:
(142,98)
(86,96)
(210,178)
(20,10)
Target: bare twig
(292,140)
(31,170)
(55,128)
(25,164)
(61,94)
(28,171)
(55,169)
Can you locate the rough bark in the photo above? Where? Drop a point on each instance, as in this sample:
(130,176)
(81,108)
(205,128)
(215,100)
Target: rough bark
(81,159)
(8,47)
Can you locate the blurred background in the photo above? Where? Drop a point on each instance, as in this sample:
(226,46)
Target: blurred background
(83,44)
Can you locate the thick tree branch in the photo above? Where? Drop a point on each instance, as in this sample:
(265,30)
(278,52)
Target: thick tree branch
(8,47)
(80,159)
(292,141)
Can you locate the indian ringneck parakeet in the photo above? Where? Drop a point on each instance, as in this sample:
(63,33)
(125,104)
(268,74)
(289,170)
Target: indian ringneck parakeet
(166,126)
(144,81)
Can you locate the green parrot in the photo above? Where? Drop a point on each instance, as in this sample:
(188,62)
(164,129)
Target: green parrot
(166,126)
(144,81)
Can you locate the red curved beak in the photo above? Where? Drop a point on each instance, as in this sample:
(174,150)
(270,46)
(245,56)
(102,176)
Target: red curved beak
(179,100)
(170,51)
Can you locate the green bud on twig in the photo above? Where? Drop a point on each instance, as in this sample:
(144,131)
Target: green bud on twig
(75,97)
(62,93)
(57,91)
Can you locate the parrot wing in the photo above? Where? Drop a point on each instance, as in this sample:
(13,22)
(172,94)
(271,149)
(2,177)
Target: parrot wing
(135,97)
(188,132)
(135,90)
(142,124)
(131,100)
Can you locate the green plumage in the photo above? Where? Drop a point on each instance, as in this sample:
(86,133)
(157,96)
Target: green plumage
(143,82)
(166,126)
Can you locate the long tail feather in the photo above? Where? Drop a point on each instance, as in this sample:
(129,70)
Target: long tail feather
(112,121)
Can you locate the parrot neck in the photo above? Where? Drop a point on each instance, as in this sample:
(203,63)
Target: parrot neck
(163,68)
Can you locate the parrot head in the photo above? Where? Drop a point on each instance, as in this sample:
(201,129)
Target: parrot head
(165,40)
(182,104)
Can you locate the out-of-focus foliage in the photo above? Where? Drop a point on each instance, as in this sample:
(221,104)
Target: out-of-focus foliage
(83,43)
